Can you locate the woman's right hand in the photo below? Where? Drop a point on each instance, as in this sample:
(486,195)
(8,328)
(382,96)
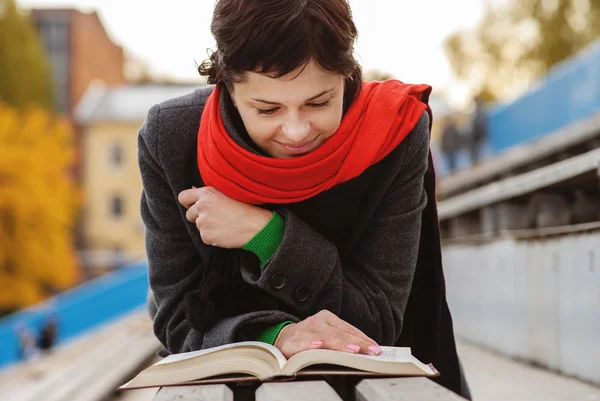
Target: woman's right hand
(324,330)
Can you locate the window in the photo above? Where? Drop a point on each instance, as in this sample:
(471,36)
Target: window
(58,37)
(116,206)
(54,33)
(116,155)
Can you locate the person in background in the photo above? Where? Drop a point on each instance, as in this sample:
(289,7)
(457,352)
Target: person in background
(450,143)
(27,348)
(478,133)
(48,335)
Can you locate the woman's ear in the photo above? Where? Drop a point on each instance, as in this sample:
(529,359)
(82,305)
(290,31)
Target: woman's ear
(230,90)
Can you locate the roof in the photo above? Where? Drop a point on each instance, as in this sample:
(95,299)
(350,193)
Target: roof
(126,103)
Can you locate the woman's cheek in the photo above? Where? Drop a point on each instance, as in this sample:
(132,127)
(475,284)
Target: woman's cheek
(329,125)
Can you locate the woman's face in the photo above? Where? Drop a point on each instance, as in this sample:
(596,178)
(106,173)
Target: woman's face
(292,115)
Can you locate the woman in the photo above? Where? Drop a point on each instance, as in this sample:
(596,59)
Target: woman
(292,203)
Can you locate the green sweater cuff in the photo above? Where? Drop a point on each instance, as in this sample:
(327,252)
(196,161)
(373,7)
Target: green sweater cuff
(267,241)
(270,334)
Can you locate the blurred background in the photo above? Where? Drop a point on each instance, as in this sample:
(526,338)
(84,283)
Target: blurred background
(516,144)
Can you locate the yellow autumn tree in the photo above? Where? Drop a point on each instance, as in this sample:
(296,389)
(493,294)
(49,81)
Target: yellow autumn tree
(24,66)
(38,207)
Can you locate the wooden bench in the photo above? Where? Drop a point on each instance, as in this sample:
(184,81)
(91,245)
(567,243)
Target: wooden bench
(87,369)
(396,389)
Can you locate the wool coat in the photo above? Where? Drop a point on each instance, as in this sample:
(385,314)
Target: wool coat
(367,250)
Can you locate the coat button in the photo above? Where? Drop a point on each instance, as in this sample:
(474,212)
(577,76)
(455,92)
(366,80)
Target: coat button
(278,281)
(301,294)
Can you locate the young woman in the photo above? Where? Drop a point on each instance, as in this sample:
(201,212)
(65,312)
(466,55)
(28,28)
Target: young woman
(292,203)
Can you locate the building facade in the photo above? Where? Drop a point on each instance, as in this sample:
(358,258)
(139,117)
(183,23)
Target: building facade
(110,118)
(80,51)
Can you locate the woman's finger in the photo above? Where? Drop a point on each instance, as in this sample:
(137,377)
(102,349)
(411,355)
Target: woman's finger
(365,347)
(296,345)
(188,197)
(336,344)
(333,320)
(191,214)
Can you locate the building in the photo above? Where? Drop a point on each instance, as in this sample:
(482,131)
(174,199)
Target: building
(110,118)
(80,52)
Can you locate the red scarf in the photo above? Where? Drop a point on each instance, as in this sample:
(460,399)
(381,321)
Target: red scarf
(377,121)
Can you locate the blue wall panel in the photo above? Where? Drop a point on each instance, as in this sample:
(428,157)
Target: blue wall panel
(81,309)
(568,93)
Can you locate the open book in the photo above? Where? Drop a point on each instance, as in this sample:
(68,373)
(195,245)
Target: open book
(252,360)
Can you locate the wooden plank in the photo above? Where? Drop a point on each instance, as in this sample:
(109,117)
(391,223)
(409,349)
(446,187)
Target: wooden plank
(403,389)
(297,391)
(209,392)
(534,233)
(100,386)
(550,231)
(66,373)
(519,185)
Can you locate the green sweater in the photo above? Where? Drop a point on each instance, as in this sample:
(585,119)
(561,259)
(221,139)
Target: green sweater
(264,245)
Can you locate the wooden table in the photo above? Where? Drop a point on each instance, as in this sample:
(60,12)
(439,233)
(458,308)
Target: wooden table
(396,389)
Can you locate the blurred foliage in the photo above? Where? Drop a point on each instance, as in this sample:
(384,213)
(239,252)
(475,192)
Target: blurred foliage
(519,40)
(38,203)
(24,68)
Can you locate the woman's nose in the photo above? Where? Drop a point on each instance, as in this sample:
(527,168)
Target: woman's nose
(296,130)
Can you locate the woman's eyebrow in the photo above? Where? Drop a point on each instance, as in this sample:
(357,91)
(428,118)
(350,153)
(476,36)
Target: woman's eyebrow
(307,100)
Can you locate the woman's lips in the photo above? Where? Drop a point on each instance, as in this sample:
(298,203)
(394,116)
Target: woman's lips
(300,148)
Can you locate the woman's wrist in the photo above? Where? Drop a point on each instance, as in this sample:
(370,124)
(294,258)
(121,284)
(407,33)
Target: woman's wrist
(256,223)
(266,242)
(280,334)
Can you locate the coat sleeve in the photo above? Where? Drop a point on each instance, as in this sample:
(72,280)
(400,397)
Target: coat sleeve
(370,287)
(174,264)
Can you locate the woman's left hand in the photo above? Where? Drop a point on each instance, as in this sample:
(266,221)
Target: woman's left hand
(222,221)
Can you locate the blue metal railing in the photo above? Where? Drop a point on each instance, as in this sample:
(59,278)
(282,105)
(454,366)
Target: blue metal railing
(80,309)
(568,93)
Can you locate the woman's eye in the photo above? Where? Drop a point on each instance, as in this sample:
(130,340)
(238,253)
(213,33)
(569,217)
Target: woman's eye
(267,112)
(319,105)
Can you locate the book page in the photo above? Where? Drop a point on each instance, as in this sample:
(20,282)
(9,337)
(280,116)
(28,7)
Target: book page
(173,358)
(392,354)
(397,360)
(276,353)
(388,354)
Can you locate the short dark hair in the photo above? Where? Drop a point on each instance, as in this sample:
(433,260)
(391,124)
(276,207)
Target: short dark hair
(277,36)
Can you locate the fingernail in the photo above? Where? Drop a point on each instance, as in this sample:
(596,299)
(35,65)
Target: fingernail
(374,349)
(317,343)
(354,347)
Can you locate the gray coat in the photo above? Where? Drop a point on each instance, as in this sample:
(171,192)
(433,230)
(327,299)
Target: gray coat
(365,279)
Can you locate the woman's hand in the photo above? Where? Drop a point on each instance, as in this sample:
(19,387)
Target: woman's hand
(324,330)
(222,221)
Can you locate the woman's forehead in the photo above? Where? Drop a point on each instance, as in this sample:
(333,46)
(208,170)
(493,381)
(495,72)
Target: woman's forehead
(299,85)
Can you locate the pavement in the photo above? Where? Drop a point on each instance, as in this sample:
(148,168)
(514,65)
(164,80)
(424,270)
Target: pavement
(494,377)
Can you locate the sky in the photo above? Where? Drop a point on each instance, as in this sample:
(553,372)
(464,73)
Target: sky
(401,37)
